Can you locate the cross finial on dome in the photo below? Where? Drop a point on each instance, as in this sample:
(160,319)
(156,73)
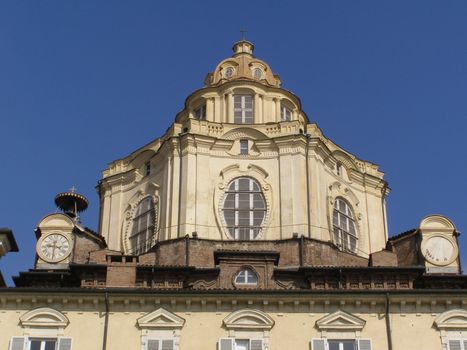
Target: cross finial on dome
(243,31)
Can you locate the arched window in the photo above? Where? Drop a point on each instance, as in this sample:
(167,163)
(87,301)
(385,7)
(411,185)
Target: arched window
(246,277)
(345,232)
(244,208)
(142,234)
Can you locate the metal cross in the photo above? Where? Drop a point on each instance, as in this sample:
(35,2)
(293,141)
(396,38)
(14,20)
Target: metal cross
(73,189)
(243,31)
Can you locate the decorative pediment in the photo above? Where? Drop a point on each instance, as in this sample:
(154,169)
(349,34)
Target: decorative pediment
(44,317)
(57,221)
(161,318)
(453,319)
(340,320)
(436,223)
(248,319)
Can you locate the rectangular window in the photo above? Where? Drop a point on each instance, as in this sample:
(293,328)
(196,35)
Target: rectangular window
(243,109)
(21,343)
(240,344)
(147,168)
(200,112)
(457,344)
(341,344)
(339,169)
(160,344)
(42,344)
(244,147)
(286,114)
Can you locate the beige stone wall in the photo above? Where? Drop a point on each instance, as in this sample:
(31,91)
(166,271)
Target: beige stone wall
(294,319)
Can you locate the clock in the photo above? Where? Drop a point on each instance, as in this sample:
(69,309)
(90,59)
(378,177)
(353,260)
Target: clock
(439,250)
(54,247)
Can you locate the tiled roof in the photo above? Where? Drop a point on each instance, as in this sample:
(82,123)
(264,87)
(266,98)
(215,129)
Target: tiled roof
(403,234)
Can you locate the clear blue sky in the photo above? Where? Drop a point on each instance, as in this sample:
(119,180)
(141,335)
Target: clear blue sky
(85,82)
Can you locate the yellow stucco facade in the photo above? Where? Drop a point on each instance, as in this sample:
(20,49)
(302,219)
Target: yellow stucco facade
(200,321)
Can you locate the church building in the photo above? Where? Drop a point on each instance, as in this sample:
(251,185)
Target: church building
(243,227)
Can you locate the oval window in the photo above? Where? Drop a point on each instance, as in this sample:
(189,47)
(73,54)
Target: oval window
(258,73)
(244,208)
(229,71)
(345,230)
(143,231)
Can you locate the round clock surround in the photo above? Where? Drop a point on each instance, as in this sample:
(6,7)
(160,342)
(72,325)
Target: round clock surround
(439,250)
(54,247)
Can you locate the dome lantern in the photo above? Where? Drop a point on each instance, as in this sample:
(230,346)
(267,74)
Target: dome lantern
(243,47)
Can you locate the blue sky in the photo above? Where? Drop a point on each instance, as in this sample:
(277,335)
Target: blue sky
(85,82)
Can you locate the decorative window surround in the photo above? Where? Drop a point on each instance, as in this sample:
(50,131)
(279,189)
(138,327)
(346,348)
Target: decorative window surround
(336,190)
(226,176)
(42,324)
(339,325)
(452,325)
(160,325)
(249,324)
(344,227)
(131,212)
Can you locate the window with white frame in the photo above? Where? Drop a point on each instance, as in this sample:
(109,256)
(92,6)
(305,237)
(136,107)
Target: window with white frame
(345,232)
(240,344)
(160,330)
(457,344)
(200,112)
(244,208)
(286,113)
(246,277)
(243,109)
(160,344)
(142,235)
(244,147)
(36,343)
(340,344)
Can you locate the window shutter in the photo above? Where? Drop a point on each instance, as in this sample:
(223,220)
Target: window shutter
(226,344)
(256,344)
(167,344)
(17,343)
(152,344)
(465,344)
(318,344)
(455,345)
(64,344)
(364,344)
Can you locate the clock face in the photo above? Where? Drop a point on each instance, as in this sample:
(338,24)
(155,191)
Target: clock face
(439,250)
(54,247)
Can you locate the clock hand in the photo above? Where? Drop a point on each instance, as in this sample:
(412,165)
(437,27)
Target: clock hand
(53,250)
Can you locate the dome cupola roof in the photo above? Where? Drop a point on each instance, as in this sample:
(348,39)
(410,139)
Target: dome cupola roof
(242,65)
